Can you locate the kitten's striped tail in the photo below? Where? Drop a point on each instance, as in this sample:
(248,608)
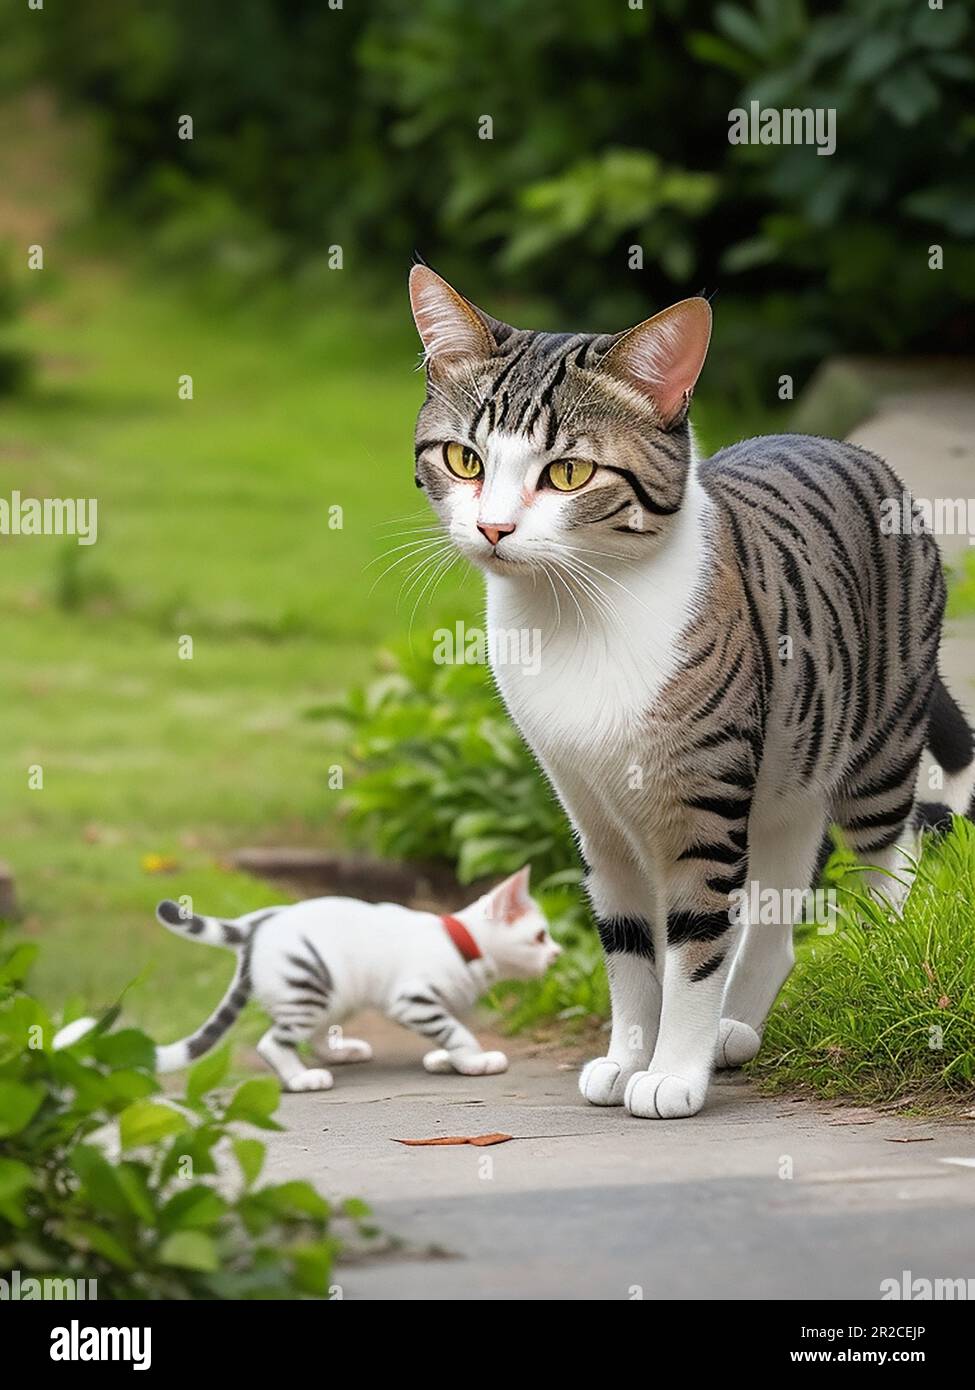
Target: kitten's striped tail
(215,932)
(212,931)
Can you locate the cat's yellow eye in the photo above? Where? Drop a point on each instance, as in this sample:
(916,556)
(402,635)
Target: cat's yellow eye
(461,461)
(568,475)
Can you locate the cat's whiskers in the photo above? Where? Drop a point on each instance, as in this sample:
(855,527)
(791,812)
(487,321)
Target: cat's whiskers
(411,554)
(419,571)
(591,589)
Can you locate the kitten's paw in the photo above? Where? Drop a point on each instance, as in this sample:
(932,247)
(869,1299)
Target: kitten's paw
(347,1050)
(314,1079)
(481,1064)
(737,1044)
(438,1061)
(603,1081)
(658,1095)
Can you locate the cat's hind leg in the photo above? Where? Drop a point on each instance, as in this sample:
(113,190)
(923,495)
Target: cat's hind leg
(784,847)
(623,905)
(333,1046)
(279,1048)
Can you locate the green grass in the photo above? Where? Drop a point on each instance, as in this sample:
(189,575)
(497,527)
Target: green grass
(961,591)
(884,1008)
(213,522)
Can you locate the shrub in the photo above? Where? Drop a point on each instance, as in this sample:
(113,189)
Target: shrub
(440,772)
(157,1221)
(885,1007)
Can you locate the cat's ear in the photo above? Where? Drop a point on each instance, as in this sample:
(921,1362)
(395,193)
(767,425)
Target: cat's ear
(663,356)
(510,900)
(449,326)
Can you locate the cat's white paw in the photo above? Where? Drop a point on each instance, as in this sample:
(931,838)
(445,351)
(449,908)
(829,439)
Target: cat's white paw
(347,1050)
(438,1060)
(603,1081)
(737,1044)
(658,1095)
(481,1064)
(314,1079)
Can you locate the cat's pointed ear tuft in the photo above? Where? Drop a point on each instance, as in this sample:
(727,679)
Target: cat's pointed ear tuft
(510,900)
(449,327)
(663,356)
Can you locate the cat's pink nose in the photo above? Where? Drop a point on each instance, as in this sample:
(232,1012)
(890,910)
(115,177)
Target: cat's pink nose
(493,534)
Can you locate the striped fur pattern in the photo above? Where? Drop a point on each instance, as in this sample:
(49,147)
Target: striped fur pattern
(313,964)
(735,654)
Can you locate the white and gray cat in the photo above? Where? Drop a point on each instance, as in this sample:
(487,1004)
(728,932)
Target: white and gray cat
(313,964)
(735,652)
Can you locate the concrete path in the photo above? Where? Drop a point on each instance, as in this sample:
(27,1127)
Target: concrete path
(755,1198)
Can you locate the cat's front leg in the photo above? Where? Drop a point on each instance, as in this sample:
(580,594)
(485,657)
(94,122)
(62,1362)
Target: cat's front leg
(700,889)
(419,1007)
(634,987)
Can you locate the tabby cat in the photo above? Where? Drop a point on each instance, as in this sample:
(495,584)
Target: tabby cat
(734,655)
(314,963)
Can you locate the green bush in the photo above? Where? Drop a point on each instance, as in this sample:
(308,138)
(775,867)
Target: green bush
(360,126)
(440,772)
(156,1222)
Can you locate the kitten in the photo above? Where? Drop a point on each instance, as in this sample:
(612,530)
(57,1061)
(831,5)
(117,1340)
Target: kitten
(735,653)
(313,964)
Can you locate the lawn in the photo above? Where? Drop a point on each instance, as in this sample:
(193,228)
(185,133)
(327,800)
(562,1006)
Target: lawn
(214,522)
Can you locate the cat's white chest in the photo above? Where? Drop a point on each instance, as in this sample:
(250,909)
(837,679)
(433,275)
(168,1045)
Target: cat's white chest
(591,691)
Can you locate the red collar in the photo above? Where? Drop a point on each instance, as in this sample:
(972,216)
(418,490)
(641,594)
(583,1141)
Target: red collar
(461,938)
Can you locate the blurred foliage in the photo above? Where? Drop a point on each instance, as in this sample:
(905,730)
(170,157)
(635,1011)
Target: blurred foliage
(359,125)
(154,1197)
(440,772)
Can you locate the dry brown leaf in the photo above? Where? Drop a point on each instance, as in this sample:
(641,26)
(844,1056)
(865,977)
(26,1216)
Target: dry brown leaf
(480,1140)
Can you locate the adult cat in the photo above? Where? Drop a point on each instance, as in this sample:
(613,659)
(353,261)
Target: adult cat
(734,655)
(312,964)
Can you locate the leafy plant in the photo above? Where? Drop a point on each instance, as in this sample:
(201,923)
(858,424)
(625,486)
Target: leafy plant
(885,1007)
(440,772)
(101,1177)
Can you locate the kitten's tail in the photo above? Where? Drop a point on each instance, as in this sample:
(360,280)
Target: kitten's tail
(212,931)
(215,932)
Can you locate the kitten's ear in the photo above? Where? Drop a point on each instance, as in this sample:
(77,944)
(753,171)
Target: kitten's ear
(448,325)
(663,356)
(510,899)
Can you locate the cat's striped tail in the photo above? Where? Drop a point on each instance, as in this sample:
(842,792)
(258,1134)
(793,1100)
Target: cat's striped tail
(214,931)
(951,742)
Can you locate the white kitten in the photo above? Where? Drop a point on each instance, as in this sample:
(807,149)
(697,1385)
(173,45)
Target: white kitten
(313,964)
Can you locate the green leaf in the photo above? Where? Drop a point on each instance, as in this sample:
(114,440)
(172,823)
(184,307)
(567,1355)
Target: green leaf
(190,1250)
(17,964)
(207,1073)
(18,1106)
(87,1235)
(294,1199)
(146,1122)
(195,1208)
(250,1156)
(128,1049)
(255,1100)
(14,1178)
